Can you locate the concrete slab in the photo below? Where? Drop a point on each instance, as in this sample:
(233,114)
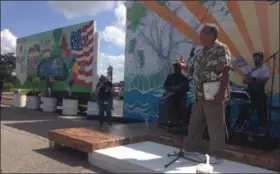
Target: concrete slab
(150,157)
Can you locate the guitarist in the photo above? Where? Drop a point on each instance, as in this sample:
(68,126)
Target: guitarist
(256,78)
(176,86)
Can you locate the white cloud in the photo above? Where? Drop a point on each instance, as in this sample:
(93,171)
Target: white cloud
(8,41)
(115,33)
(117,62)
(120,14)
(72,9)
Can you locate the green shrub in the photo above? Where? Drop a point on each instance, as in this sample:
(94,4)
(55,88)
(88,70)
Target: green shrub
(22,91)
(7,87)
(33,93)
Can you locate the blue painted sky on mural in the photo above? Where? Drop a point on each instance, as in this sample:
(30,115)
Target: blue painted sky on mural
(19,18)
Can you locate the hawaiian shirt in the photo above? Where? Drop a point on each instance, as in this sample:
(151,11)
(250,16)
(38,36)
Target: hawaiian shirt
(208,65)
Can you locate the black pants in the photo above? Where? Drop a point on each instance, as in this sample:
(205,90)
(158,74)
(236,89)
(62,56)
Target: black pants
(258,102)
(105,106)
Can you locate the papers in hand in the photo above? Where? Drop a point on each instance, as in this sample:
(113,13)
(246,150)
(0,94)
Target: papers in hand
(210,89)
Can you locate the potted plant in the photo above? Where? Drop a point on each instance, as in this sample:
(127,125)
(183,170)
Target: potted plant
(92,106)
(47,99)
(70,102)
(19,98)
(33,99)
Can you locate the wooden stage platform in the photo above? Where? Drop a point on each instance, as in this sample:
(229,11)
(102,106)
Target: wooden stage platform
(90,139)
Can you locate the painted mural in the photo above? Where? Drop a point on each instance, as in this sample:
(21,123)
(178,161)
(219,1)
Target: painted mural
(65,54)
(157,31)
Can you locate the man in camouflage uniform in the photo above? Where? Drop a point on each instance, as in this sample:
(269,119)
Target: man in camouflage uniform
(211,62)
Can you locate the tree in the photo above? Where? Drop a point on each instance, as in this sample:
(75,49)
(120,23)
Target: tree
(158,29)
(165,47)
(7,66)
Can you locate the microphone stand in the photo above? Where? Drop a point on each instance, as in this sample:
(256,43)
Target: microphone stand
(181,154)
(271,89)
(273,56)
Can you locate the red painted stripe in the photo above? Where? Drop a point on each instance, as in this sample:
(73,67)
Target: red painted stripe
(46,51)
(81,82)
(90,42)
(85,73)
(86,62)
(90,32)
(84,54)
(86,27)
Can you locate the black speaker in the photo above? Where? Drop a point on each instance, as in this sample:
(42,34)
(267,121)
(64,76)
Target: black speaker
(163,119)
(171,115)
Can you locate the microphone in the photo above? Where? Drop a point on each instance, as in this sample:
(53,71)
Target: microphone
(192,51)
(190,57)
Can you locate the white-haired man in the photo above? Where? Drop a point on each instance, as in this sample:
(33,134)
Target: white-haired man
(210,63)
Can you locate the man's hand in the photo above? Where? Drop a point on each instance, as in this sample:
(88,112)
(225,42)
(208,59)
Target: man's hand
(219,97)
(181,63)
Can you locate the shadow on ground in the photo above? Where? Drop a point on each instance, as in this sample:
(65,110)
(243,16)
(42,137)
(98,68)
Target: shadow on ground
(69,157)
(41,128)
(23,114)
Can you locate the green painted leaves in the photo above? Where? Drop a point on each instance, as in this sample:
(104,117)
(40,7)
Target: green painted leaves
(131,46)
(141,58)
(161,2)
(140,54)
(134,14)
(57,33)
(56,50)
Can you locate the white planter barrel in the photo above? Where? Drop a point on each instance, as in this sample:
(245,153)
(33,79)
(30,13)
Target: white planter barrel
(92,108)
(19,100)
(33,102)
(48,104)
(69,107)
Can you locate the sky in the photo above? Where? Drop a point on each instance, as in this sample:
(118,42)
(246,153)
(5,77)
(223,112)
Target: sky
(23,18)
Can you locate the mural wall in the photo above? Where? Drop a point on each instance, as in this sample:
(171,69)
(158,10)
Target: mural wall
(157,31)
(66,54)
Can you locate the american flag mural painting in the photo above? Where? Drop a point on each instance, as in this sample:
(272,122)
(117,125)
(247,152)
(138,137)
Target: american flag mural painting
(82,42)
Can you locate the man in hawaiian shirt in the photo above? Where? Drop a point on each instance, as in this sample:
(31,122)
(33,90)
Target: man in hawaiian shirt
(211,62)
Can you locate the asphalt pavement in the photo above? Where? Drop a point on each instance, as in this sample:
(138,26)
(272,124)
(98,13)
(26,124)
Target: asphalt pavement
(25,147)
